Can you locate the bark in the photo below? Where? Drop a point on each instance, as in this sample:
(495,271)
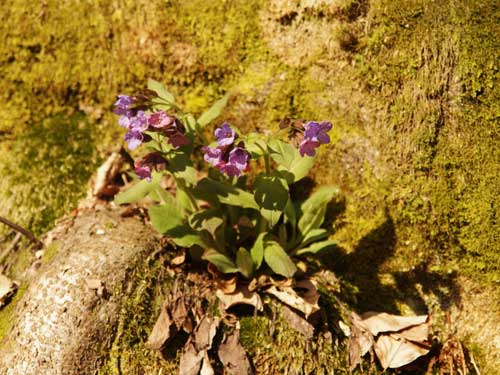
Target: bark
(65,323)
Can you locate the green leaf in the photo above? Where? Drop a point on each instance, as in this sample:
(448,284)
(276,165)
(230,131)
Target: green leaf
(139,190)
(314,208)
(161,195)
(257,250)
(181,166)
(185,236)
(160,90)
(271,191)
(215,192)
(209,219)
(278,260)
(255,144)
(244,262)
(293,166)
(213,112)
(219,260)
(183,202)
(165,217)
(271,194)
(314,235)
(317,247)
(290,213)
(191,124)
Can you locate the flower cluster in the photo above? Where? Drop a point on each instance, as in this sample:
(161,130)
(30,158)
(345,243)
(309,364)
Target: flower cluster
(152,161)
(138,122)
(227,157)
(315,134)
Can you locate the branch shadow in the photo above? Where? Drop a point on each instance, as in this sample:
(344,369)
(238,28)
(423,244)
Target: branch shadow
(360,272)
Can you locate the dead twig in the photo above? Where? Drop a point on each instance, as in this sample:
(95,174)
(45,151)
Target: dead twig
(12,246)
(25,232)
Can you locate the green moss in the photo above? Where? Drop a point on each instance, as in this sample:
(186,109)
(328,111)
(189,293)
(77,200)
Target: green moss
(129,354)
(276,348)
(7,311)
(49,252)
(46,169)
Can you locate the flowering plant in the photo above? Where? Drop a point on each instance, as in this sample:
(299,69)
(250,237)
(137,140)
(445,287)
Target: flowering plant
(219,215)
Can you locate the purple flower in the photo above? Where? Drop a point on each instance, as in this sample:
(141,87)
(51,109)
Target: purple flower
(239,158)
(317,131)
(124,122)
(315,134)
(122,105)
(139,122)
(134,139)
(177,139)
(212,155)
(225,135)
(308,147)
(143,172)
(143,167)
(160,120)
(230,170)
(231,163)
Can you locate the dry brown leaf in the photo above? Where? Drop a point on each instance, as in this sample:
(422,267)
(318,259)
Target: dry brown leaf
(161,330)
(393,351)
(360,341)
(233,356)
(383,322)
(204,332)
(241,296)
(206,367)
(419,333)
(227,285)
(179,312)
(306,302)
(191,360)
(102,184)
(7,289)
(297,322)
(178,259)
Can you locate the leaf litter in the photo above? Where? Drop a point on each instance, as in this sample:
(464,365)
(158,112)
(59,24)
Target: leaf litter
(395,340)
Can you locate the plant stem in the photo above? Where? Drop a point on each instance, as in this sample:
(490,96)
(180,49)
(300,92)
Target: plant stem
(266,158)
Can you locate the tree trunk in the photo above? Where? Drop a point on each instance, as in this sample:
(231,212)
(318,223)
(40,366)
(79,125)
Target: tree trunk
(67,319)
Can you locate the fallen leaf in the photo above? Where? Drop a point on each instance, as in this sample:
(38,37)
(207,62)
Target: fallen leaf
(307,290)
(360,341)
(393,351)
(306,302)
(206,367)
(205,332)
(179,312)
(383,322)
(191,360)
(233,356)
(226,284)
(297,322)
(103,181)
(344,328)
(7,289)
(419,333)
(161,330)
(179,259)
(241,296)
